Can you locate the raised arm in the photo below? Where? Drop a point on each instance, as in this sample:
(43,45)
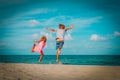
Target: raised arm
(72,26)
(52,30)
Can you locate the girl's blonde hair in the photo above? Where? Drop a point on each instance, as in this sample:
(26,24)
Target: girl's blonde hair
(43,39)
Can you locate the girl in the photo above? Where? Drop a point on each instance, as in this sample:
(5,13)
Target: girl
(38,48)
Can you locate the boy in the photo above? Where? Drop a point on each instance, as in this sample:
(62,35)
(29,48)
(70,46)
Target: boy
(60,34)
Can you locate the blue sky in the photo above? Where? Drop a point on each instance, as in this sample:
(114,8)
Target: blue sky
(96,22)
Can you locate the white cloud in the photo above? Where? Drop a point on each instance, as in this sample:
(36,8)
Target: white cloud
(23,19)
(49,44)
(67,20)
(48,22)
(35,35)
(116,33)
(85,22)
(68,36)
(25,23)
(53,21)
(33,22)
(20,21)
(48,35)
(96,37)
(40,10)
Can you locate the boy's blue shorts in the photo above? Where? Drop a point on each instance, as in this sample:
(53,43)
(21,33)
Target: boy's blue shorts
(59,44)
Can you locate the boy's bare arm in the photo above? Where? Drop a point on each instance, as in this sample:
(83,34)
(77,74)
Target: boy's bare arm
(52,30)
(72,26)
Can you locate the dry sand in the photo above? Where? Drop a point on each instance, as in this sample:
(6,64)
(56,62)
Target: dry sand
(57,72)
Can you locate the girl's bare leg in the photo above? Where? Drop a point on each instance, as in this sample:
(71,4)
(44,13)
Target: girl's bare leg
(41,56)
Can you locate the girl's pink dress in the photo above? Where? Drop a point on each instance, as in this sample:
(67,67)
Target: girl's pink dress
(38,48)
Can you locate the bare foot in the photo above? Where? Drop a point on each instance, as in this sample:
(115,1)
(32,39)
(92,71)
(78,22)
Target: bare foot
(57,60)
(39,60)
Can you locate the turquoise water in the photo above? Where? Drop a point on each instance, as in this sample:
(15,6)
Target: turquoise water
(111,60)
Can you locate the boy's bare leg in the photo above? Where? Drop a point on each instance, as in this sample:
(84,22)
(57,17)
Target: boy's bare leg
(57,55)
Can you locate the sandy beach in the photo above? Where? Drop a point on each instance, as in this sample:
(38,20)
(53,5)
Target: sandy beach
(9,71)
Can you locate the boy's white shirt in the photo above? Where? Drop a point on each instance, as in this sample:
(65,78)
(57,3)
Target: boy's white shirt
(60,33)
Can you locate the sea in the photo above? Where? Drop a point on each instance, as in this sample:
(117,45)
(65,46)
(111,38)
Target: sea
(104,60)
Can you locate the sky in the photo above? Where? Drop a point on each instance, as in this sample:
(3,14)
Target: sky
(96,26)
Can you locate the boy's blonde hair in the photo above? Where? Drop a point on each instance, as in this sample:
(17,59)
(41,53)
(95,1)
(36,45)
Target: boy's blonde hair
(61,26)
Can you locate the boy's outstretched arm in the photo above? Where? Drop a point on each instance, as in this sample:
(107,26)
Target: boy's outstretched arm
(52,30)
(72,26)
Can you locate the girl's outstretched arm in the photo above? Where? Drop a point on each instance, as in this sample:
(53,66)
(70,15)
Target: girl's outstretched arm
(72,26)
(36,41)
(52,30)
